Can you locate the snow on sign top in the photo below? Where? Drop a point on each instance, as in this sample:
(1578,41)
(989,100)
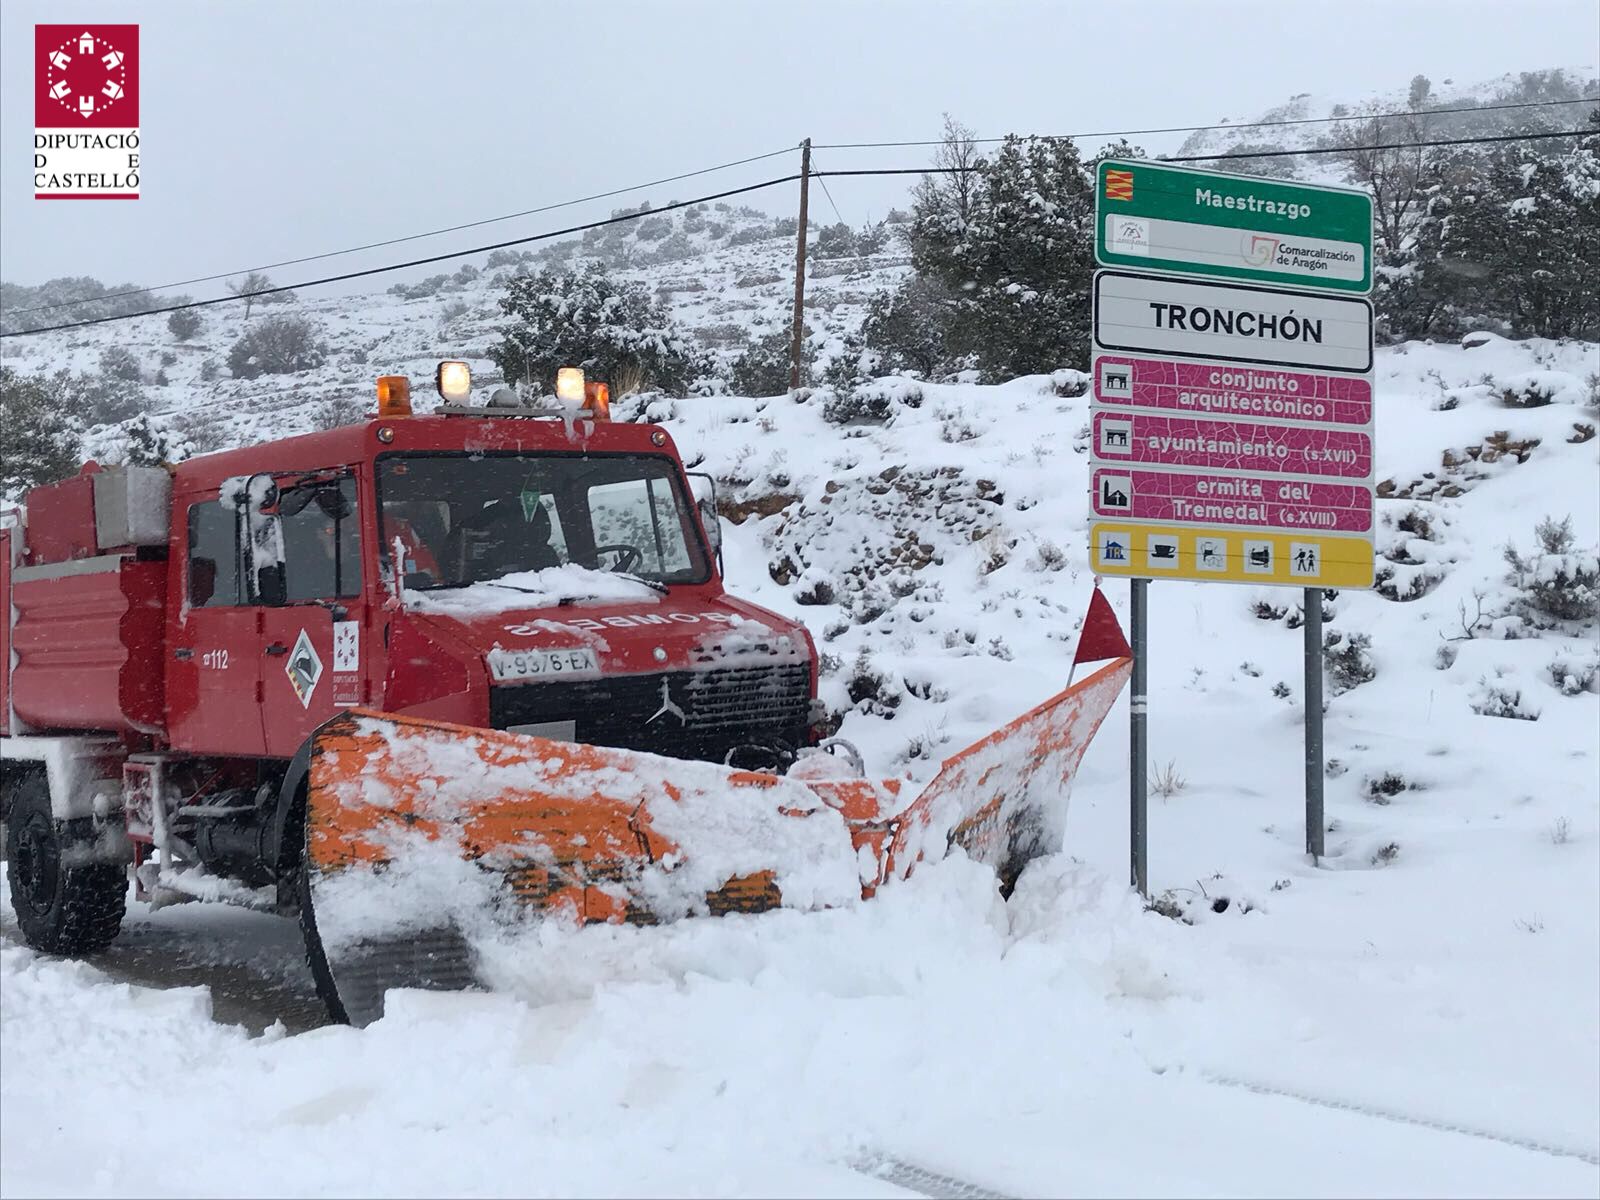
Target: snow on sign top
(1164,218)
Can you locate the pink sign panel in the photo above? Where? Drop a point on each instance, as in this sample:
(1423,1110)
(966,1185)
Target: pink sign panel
(1137,437)
(1203,499)
(1232,390)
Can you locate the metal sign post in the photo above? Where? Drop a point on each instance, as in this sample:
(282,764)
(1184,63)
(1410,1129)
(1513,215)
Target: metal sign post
(1315,825)
(1138,743)
(1232,414)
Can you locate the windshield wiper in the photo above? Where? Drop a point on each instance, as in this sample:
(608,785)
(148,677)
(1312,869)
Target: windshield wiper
(655,585)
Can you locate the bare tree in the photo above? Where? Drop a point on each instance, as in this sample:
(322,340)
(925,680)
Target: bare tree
(954,192)
(257,288)
(1395,177)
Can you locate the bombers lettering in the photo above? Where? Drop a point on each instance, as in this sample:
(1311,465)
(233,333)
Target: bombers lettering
(600,624)
(1196,318)
(1255,204)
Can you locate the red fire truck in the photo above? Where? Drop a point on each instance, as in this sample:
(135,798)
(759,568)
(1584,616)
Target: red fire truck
(176,635)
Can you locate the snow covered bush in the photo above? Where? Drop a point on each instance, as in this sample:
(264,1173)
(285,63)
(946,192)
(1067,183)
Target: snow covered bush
(144,441)
(276,346)
(1501,696)
(1574,673)
(118,362)
(585,317)
(1348,658)
(333,414)
(763,369)
(40,442)
(1557,583)
(184,324)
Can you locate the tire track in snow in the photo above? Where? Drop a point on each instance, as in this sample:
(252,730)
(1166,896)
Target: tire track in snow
(1384,1114)
(935,1185)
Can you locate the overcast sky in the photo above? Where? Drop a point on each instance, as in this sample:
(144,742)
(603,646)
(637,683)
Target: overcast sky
(274,130)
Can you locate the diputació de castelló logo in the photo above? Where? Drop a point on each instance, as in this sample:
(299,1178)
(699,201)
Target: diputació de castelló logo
(86,112)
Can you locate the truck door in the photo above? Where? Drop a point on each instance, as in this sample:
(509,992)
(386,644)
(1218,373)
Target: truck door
(213,665)
(315,646)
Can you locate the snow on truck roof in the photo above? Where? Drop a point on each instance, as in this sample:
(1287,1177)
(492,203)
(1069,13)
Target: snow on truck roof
(368,439)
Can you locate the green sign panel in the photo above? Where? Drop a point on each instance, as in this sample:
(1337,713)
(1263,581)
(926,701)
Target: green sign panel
(1155,217)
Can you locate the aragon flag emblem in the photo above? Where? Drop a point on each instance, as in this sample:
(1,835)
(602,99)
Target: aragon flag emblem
(1119,185)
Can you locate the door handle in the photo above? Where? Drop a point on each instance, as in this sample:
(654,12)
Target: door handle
(183,652)
(277,648)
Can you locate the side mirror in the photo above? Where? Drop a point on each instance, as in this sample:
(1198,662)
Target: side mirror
(264,542)
(704,489)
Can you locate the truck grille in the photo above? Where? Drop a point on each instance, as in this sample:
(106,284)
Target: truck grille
(707,713)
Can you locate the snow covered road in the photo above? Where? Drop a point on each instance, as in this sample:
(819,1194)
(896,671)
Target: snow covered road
(1060,1045)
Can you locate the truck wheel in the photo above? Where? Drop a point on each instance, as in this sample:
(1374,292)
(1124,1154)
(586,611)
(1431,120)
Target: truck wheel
(61,908)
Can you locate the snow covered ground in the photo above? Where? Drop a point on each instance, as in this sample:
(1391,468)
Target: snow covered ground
(1418,1015)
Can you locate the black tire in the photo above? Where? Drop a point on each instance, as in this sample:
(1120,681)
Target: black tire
(61,909)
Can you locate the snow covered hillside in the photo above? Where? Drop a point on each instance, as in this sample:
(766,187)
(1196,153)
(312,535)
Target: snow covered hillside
(1416,1015)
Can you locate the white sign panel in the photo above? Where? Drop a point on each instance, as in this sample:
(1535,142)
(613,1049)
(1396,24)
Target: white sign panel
(1220,246)
(1231,322)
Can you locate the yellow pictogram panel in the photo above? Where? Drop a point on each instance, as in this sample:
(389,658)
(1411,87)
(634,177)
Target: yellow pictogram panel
(1229,555)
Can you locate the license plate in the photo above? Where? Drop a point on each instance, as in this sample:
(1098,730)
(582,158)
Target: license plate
(576,662)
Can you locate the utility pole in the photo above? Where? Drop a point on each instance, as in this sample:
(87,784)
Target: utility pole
(797,336)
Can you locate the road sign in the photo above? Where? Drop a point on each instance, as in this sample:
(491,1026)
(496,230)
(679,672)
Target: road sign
(1229,473)
(1226,322)
(1158,217)
(1147,551)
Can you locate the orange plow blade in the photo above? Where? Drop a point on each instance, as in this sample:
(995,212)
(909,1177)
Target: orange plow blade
(417,832)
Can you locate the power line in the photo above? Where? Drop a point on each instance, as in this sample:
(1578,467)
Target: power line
(411,237)
(829,194)
(1068,137)
(1509,137)
(538,237)
(415,262)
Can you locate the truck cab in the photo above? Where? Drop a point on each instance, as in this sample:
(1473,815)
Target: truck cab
(495,567)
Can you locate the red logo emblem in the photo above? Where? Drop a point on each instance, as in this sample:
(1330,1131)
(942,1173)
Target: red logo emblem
(86,76)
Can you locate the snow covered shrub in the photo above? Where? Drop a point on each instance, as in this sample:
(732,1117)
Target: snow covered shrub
(1501,697)
(183,324)
(145,441)
(818,591)
(209,370)
(1529,395)
(1166,782)
(1265,610)
(1556,583)
(333,414)
(276,346)
(1385,854)
(763,369)
(1348,659)
(1574,674)
(1445,656)
(1383,788)
(870,690)
(451,310)
(1048,556)
(97,399)
(585,317)
(118,362)
(40,443)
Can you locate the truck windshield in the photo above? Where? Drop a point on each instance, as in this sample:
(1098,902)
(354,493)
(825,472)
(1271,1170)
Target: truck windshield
(462,518)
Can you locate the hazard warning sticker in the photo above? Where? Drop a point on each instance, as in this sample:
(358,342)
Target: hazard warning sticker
(304,668)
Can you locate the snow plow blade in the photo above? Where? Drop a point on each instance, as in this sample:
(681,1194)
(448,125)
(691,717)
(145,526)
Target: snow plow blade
(421,835)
